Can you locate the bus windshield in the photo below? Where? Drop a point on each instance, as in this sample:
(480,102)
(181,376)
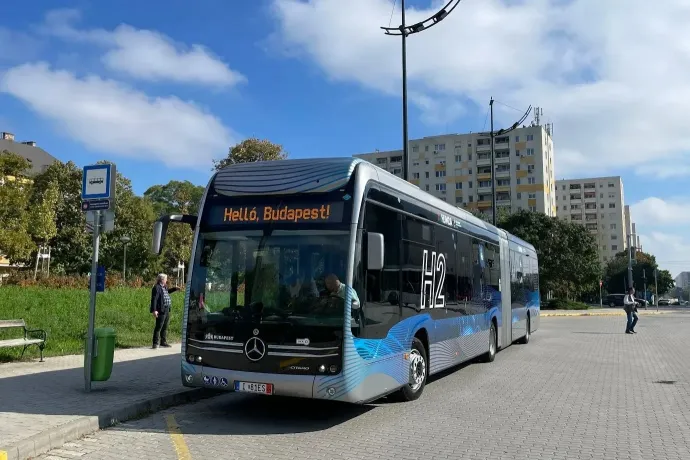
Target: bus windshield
(270,276)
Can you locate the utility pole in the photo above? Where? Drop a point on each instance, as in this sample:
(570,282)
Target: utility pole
(630,259)
(656,291)
(406,157)
(493,168)
(644,281)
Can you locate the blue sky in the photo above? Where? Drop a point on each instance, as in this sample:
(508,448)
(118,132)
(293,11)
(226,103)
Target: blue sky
(160,88)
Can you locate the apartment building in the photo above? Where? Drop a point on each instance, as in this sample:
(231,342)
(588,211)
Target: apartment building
(683,280)
(599,204)
(457,168)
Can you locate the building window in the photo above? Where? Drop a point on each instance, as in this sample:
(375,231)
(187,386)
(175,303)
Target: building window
(471,198)
(612,205)
(441,187)
(458,186)
(426,148)
(530,168)
(415,148)
(613,226)
(601,205)
(612,185)
(517,138)
(614,237)
(614,247)
(426,174)
(440,174)
(426,162)
(530,152)
(440,147)
(530,137)
(532,195)
(469,171)
(601,195)
(519,195)
(458,158)
(484,183)
(531,180)
(517,181)
(517,153)
(533,208)
(426,187)
(415,175)
(458,199)
(565,208)
(470,185)
(603,247)
(381,161)
(470,154)
(397,159)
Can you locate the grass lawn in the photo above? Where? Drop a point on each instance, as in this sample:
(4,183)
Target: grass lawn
(64,315)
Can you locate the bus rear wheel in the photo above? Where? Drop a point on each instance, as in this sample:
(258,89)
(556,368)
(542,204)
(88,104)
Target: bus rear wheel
(490,355)
(418,373)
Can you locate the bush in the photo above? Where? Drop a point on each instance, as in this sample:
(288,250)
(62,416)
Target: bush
(563,304)
(112,280)
(64,314)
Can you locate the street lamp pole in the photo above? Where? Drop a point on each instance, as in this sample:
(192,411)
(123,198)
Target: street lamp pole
(492,135)
(125,241)
(404,30)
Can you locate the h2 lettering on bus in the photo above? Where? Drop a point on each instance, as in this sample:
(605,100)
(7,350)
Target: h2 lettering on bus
(433,278)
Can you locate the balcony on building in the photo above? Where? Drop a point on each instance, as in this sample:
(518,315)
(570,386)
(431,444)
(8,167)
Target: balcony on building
(592,227)
(502,157)
(577,217)
(395,161)
(590,186)
(575,196)
(591,217)
(483,145)
(590,196)
(575,187)
(502,173)
(483,159)
(484,204)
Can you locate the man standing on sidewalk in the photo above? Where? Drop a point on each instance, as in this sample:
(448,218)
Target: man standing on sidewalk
(160,308)
(630,311)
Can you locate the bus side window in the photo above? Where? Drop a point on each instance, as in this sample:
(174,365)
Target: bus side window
(381,308)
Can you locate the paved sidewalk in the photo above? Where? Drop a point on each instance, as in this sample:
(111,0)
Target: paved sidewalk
(44,405)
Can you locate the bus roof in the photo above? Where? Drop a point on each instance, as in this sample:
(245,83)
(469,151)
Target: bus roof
(315,175)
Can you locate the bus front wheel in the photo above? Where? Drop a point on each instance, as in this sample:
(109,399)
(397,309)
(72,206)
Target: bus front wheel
(418,372)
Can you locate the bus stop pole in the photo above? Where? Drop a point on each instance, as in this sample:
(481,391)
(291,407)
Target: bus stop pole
(92,301)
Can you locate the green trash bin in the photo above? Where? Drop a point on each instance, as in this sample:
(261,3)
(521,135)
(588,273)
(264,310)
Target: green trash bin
(103,354)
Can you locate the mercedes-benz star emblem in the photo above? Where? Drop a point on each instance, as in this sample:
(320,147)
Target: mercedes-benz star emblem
(255,349)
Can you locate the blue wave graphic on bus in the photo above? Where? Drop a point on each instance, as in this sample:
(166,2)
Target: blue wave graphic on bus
(532,304)
(365,357)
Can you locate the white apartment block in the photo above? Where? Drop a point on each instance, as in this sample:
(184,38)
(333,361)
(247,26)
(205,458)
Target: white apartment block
(683,280)
(457,168)
(599,204)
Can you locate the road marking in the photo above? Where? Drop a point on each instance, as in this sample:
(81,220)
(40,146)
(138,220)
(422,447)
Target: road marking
(177,438)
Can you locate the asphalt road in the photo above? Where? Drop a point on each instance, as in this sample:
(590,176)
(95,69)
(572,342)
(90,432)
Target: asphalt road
(581,389)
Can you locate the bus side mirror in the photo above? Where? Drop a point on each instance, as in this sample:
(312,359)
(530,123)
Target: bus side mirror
(374,251)
(160,228)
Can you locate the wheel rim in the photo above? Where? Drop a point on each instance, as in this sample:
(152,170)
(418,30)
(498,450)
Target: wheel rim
(492,338)
(417,370)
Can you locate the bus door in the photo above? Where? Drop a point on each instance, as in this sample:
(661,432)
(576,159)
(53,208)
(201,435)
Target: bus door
(506,332)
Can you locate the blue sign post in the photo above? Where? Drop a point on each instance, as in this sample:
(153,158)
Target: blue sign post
(97,194)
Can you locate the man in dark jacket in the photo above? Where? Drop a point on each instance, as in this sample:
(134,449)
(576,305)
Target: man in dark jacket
(160,309)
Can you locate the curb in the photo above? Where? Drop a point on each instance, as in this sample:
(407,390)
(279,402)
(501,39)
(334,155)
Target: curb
(621,313)
(56,437)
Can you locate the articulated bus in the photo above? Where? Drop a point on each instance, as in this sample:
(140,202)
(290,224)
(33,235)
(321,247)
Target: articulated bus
(334,279)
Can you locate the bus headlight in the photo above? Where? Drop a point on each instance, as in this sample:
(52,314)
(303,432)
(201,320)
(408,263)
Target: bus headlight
(322,368)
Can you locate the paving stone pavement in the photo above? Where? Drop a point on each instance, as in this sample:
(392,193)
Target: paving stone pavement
(581,389)
(35,396)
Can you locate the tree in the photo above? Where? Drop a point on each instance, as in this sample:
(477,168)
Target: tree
(43,217)
(176,197)
(251,150)
(616,274)
(71,245)
(567,252)
(15,242)
(501,215)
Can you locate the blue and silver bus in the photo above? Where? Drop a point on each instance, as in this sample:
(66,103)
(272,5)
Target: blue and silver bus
(334,279)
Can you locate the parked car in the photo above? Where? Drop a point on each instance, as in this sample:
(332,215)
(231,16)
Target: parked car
(616,300)
(664,302)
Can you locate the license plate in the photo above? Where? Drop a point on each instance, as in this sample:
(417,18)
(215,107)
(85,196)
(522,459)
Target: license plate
(252,387)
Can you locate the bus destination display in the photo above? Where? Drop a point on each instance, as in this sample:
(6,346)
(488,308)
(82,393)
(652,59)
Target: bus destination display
(278,213)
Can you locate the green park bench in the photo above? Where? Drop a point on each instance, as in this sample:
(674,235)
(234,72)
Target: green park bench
(31,336)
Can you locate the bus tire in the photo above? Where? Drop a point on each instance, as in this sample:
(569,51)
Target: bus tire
(490,355)
(525,340)
(419,370)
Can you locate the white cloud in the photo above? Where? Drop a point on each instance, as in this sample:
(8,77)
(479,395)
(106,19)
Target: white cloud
(659,212)
(108,116)
(672,251)
(613,76)
(146,54)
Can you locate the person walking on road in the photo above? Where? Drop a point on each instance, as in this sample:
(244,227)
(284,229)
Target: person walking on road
(160,309)
(630,307)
